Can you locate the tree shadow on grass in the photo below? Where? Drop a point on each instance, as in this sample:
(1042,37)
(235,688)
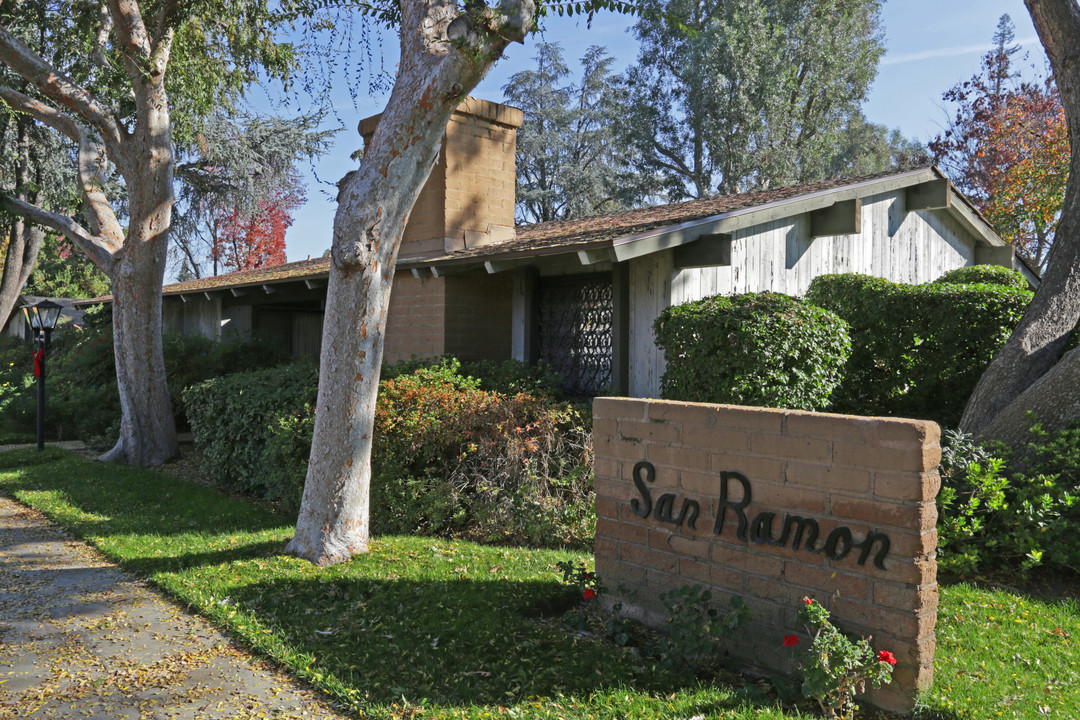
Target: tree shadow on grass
(458,642)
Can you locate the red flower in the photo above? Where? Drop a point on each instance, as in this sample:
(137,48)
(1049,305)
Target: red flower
(808,601)
(886,656)
(589,594)
(791,640)
(588,576)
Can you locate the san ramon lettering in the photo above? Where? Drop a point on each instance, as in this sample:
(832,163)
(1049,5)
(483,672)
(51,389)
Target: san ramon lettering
(800,532)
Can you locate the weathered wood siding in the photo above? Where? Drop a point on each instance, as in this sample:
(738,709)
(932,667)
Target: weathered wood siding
(910,247)
(650,293)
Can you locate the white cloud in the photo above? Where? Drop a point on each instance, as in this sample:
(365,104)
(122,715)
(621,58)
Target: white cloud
(943,52)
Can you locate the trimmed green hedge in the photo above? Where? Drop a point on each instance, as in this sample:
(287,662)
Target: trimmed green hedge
(984,275)
(917,350)
(757,349)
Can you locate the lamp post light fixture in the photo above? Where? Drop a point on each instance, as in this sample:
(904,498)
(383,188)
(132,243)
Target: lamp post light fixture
(42,319)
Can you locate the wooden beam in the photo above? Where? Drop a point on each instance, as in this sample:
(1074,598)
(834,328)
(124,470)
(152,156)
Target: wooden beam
(237,292)
(209,295)
(498,266)
(184,298)
(592,257)
(268,289)
(312,284)
(840,218)
(933,195)
(422,273)
(707,251)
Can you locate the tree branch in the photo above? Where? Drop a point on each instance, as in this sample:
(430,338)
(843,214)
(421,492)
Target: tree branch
(91,163)
(130,29)
(164,32)
(61,90)
(105,259)
(104,30)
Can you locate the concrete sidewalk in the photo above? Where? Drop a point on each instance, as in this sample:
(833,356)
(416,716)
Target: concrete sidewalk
(79,638)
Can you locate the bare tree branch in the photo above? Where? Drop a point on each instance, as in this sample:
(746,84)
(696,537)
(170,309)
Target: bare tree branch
(104,29)
(61,90)
(164,31)
(62,223)
(91,163)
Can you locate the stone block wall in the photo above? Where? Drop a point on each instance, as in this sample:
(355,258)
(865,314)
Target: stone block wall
(760,482)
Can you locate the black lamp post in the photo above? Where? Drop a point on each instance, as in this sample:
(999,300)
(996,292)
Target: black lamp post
(42,319)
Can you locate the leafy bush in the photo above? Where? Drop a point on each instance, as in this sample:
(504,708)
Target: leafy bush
(508,377)
(18,404)
(758,349)
(696,631)
(448,457)
(836,667)
(244,424)
(917,350)
(83,398)
(985,275)
(999,510)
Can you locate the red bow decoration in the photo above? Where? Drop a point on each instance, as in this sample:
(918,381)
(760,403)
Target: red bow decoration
(39,355)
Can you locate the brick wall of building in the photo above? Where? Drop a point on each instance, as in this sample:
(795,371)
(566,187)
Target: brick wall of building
(868,475)
(415,323)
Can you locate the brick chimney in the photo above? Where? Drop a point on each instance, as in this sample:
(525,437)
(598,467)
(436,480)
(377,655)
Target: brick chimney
(468,200)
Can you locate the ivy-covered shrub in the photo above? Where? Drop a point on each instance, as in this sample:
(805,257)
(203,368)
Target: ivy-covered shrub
(1016,511)
(757,349)
(917,350)
(985,275)
(449,458)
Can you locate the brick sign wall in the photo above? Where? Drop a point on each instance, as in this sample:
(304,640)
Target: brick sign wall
(772,506)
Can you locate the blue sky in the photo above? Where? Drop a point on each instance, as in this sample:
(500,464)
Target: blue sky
(931,45)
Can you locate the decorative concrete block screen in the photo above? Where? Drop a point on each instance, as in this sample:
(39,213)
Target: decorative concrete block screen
(772,506)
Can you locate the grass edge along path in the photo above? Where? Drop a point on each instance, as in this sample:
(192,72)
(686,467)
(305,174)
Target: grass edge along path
(422,627)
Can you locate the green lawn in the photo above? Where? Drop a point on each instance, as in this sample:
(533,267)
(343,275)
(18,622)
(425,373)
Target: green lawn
(439,629)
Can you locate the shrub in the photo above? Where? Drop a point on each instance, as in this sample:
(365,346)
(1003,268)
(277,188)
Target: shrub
(457,460)
(757,349)
(1015,512)
(917,350)
(985,275)
(18,404)
(83,398)
(235,417)
(508,377)
(448,458)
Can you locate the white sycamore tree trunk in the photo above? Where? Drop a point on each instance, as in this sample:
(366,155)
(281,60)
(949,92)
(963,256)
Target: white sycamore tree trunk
(1032,372)
(134,261)
(444,54)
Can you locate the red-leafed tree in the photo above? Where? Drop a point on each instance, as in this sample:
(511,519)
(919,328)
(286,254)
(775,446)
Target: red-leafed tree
(249,240)
(238,190)
(1029,142)
(1007,148)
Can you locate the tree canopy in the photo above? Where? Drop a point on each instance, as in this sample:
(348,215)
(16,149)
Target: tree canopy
(571,159)
(1007,147)
(756,95)
(238,188)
